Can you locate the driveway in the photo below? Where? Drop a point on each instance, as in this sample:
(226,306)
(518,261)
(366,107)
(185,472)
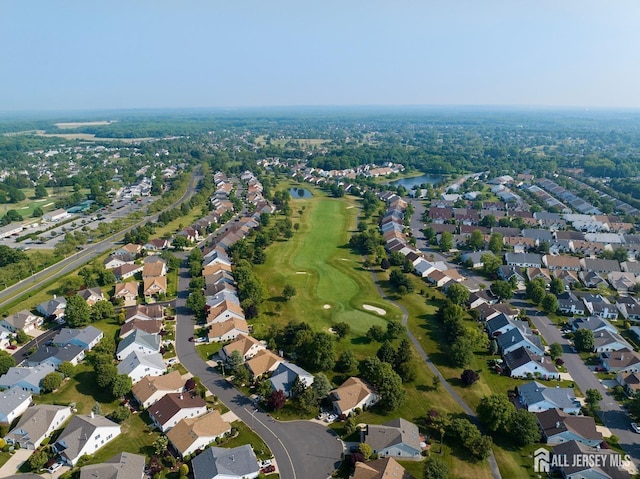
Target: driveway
(303,449)
(15,461)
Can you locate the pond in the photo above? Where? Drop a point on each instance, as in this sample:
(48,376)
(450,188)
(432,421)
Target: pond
(298,193)
(409,183)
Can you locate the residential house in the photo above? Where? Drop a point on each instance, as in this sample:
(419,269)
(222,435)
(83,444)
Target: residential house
(263,362)
(423,268)
(397,438)
(524,260)
(91,295)
(128,292)
(630,382)
(522,363)
(498,325)
(223,463)
(148,312)
(86,338)
(224,311)
(156,244)
(154,286)
(37,423)
(215,268)
(518,337)
(559,427)
(628,307)
(152,270)
(568,303)
(173,407)
(140,341)
(26,378)
(84,435)
(53,308)
(591,279)
(113,262)
(55,355)
(481,297)
(354,393)
(191,434)
(127,271)
(246,345)
(150,326)
(536,397)
(384,468)
(605,468)
(605,341)
(474,259)
(152,388)
(137,365)
(285,375)
(623,283)
(227,330)
(598,305)
(21,321)
(121,466)
(128,249)
(563,262)
(518,243)
(512,273)
(13,402)
(569,278)
(621,361)
(533,273)
(605,266)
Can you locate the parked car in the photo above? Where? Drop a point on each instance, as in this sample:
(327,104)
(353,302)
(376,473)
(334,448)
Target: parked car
(12,346)
(53,467)
(635,427)
(191,339)
(268,469)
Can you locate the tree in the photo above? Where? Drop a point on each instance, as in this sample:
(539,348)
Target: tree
(121,385)
(277,400)
(389,386)
(37,212)
(555,351)
(120,414)
(22,337)
(502,289)
(496,243)
(341,329)
(394,329)
(365,450)
(288,292)
(386,353)
(160,445)
(537,294)
(549,303)
(102,311)
(435,468)
(319,354)
(6,362)
(495,412)
(584,340)
(446,241)
(180,243)
(184,470)
(77,312)
(321,386)
(38,459)
(490,264)
(66,369)
(592,399)
(458,294)
(385,264)
(556,286)
(469,376)
(235,361)
(97,408)
(475,241)
(197,302)
(493,347)
(523,428)
(375,333)
(461,350)
(41,191)
(346,362)
(106,373)
(51,382)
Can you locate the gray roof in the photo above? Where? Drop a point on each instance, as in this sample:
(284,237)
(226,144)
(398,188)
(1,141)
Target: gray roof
(122,466)
(83,336)
(69,352)
(19,320)
(285,374)
(151,341)
(50,307)
(583,468)
(397,431)
(11,399)
(134,359)
(592,323)
(497,322)
(535,392)
(35,422)
(75,434)
(542,235)
(31,376)
(524,258)
(239,461)
(519,333)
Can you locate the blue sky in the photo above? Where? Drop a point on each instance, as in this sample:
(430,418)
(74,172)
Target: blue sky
(96,54)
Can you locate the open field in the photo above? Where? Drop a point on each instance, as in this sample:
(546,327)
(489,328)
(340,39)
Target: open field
(77,136)
(331,285)
(281,142)
(78,124)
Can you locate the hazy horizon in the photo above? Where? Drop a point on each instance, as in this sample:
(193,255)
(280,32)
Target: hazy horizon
(160,55)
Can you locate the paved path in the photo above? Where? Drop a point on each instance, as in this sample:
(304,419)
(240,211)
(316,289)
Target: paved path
(10,467)
(303,449)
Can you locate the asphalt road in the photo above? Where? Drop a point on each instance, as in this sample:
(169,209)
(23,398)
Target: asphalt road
(39,279)
(303,449)
(613,416)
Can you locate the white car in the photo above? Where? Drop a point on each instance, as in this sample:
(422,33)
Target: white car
(635,427)
(54,467)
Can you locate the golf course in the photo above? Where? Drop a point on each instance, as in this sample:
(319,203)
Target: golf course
(331,285)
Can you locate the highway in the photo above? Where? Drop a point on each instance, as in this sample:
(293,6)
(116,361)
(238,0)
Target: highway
(75,261)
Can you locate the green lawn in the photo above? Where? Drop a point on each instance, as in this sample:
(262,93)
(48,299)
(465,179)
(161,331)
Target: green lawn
(206,350)
(330,282)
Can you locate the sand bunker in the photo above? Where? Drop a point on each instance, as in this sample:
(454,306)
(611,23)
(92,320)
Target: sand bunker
(349,207)
(301,272)
(327,306)
(380,311)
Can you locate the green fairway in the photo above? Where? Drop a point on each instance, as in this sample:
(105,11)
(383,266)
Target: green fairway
(331,284)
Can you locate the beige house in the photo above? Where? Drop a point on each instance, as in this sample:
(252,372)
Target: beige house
(191,434)
(154,286)
(354,393)
(127,291)
(228,330)
(263,362)
(21,321)
(152,388)
(246,345)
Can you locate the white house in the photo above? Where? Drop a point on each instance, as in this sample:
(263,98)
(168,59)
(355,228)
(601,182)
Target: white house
(36,423)
(536,397)
(138,365)
(84,435)
(246,345)
(285,375)
(174,407)
(222,463)
(140,341)
(28,379)
(227,330)
(56,215)
(354,393)
(522,363)
(21,321)
(13,402)
(398,438)
(191,434)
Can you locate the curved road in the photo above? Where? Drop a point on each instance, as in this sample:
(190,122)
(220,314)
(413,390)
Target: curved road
(67,265)
(303,449)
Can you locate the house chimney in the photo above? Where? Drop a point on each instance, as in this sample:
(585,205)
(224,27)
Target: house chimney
(558,424)
(92,415)
(181,397)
